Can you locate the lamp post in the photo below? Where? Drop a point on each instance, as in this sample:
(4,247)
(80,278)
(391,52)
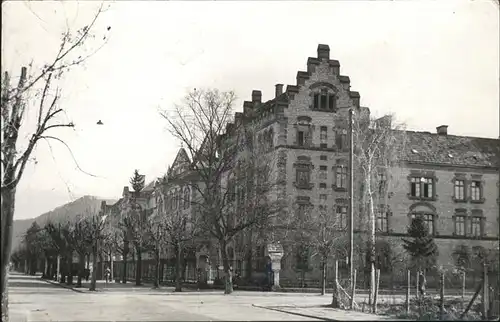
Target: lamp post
(351,200)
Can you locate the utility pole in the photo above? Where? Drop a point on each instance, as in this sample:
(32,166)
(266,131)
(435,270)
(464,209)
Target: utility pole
(351,200)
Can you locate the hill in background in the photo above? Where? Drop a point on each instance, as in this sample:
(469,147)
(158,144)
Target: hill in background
(63,213)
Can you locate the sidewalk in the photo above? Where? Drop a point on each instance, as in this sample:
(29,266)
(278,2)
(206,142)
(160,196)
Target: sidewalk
(328,314)
(102,286)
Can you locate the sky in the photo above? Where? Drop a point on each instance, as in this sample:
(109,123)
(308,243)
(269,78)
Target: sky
(428,62)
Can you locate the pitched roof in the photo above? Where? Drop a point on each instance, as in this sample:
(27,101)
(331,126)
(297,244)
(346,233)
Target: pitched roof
(149,187)
(426,147)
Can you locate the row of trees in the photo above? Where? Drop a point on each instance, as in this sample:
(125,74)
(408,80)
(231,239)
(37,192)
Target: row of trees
(55,244)
(94,234)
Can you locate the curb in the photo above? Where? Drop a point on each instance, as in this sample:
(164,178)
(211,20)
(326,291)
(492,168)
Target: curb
(63,286)
(295,313)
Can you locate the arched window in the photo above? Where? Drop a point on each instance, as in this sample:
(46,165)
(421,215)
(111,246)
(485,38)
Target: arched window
(187,198)
(169,201)
(271,139)
(427,212)
(324,99)
(175,199)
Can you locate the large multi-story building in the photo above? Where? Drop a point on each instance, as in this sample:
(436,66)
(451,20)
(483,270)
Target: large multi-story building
(451,181)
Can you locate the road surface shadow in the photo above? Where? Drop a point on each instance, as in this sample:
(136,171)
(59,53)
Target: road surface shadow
(28,281)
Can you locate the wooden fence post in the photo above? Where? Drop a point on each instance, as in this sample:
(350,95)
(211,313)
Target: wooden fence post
(441,296)
(353,290)
(463,289)
(416,285)
(375,295)
(408,288)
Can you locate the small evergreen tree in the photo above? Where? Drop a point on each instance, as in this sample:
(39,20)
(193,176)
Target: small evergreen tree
(137,182)
(421,247)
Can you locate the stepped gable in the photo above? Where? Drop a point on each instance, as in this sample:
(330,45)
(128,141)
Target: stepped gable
(256,108)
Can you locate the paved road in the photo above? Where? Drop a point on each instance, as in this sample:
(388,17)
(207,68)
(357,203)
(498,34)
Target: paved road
(32,299)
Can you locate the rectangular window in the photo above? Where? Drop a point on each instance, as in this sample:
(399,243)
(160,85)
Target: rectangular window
(341,217)
(323,158)
(341,177)
(331,102)
(427,187)
(316,101)
(459,189)
(322,198)
(323,134)
(415,187)
(303,177)
(302,209)
(460,225)
(322,185)
(475,190)
(382,220)
(300,138)
(475,226)
(323,137)
(341,140)
(323,172)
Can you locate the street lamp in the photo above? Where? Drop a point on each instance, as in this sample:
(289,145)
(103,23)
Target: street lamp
(351,199)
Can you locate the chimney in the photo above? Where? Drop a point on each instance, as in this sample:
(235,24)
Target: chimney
(125,191)
(256,96)
(323,51)
(442,130)
(279,89)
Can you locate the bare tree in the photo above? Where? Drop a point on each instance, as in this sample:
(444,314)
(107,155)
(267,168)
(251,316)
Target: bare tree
(79,235)
(323,233)
(179,224)
(97,233)
(15,104)
(378,147)
(204,125)
(117,237)
(156,232)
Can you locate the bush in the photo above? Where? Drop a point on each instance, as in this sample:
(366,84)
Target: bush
(427,309)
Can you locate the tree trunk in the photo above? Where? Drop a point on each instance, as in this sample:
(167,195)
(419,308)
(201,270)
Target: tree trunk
(70,270)
(323,277)
(93,283)
(372,234)
(178,269)
(112,269)
(81,270)
(249,265)
(228,274)
(157,269)
(62,269)
(138,266)
(124,255)
(8,207)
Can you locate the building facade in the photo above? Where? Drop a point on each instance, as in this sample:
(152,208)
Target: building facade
(452,181)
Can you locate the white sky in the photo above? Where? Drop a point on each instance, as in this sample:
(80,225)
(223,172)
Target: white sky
(429,62)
